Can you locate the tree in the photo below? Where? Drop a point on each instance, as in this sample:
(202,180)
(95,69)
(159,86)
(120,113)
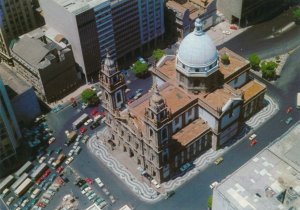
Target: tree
(254,61)
(209,202)
(268,69)
(296,15)
(157,54)
(225,59)
(89,96)
(140,69)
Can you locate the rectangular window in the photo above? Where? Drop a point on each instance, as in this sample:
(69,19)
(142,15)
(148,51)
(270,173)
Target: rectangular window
(119,97)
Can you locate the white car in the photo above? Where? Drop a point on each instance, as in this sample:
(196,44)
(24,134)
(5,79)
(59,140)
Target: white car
(75,147)
(99,182)
(67,132)
(50,161)
(253,136)
(89,121)
(84,106)
(226,32)
(69,160)
(155,183)
(213,185)
(42,159)
(25,202)
(51,140)
(71,153)
(10,200)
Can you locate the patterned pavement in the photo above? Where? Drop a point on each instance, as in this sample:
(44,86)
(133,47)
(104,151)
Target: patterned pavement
(149,194)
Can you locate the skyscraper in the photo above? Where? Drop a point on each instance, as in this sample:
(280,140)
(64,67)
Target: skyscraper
(16,18)
(9,132)
(92,27)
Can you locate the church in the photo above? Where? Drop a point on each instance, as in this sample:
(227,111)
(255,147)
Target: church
(200,99)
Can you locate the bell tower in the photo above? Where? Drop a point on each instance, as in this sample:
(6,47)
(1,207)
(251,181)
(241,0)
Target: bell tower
(113,84)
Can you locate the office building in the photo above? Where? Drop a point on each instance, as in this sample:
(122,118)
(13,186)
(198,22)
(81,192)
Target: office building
(9,133)
(16,18)
(248,12)
(49,67)
(269,180)
(92,27)
(198,102)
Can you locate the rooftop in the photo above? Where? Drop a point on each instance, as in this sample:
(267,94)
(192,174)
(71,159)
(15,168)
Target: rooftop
(251,89)
(191,132)
(79,6)
(270,180)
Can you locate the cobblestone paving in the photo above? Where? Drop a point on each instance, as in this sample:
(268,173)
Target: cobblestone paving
(149,194)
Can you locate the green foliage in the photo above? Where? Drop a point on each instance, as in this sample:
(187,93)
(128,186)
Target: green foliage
(254,60)
(268,69)
(140,69)
(296,14)
(225,59)
(209,202)
(89,96)
(157,54)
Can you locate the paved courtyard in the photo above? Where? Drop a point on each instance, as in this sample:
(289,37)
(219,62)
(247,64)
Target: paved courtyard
(116,161)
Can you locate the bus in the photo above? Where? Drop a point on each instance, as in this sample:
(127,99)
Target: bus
(25,168)
(298,100)
(21,190)
(77,123)
(39,171)
(7,182)
(19,181)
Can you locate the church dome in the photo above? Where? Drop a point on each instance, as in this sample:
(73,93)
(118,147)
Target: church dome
(197,53)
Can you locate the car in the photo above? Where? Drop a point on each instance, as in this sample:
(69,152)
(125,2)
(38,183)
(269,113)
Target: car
(137,96)
(91,196)
(20,201)
(49,152)
(88,180)
(76,144)
(253,136)
(51,140)
(105,190)
(94,112)
(213,185)
(289,120)
(226,32)
(71,153)
(169,194)
(102,205)
(99,182)
(139,91)
(50,161)
(186,167)
(82,130)
(253,142)
(59,169)
(84,106)
(89,121)
(94,125)
(289,109)
(42,159)
(52,177)
(233,27)
(24,203)
(87,189)
(112,199)
(10,200)
(58,150)
(67,132)
(145,174)
(46,185)
(99,200)
(130,101)
(155,183)
(219,160)
(69,160)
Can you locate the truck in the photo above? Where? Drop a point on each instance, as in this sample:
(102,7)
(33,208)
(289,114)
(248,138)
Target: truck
(21,190)
(71,136)
(59,160)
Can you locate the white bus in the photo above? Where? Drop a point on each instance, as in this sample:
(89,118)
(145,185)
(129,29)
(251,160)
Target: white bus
(77,123)
(298,100)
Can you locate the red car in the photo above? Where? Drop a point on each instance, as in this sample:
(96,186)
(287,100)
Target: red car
(130,101)
(82,130)
(39,180)
(233,27)
(253,142)
(288,110)
(46,174)
(94,112)
(88,180)
(40,204)
(59,169)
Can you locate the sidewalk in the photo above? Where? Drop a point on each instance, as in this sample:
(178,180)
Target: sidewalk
(119,163)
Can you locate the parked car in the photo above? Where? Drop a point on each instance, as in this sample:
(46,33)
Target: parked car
(105,190)
(69,160)
(49,152)
(94,125)
(99,182)
(219,160)
(213,185)
(10,200)
(289,120)
(89,121)
(185,167)
(112,199)
(88,180)
(155,183)
(71,153)
(289,109)
(169,194)
(51,140)
(58,150)
(82,130)
(50,161)
(84,106)
(59,169)
(253,136)
(42,159)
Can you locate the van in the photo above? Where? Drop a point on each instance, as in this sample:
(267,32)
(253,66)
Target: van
(5,192)
(35,193)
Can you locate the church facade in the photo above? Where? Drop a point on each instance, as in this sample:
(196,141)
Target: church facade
(198,101)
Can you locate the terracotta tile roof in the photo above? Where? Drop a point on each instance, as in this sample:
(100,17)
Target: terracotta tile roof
(252,89)
(236,63)
(168,69)
(216,99)
(190,132)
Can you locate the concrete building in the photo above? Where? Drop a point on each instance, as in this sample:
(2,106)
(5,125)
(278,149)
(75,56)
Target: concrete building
(16,18)
(49,67)
(269,180)
(186,12)
(121,26)
(9,134)
(247,12)
(197,103)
